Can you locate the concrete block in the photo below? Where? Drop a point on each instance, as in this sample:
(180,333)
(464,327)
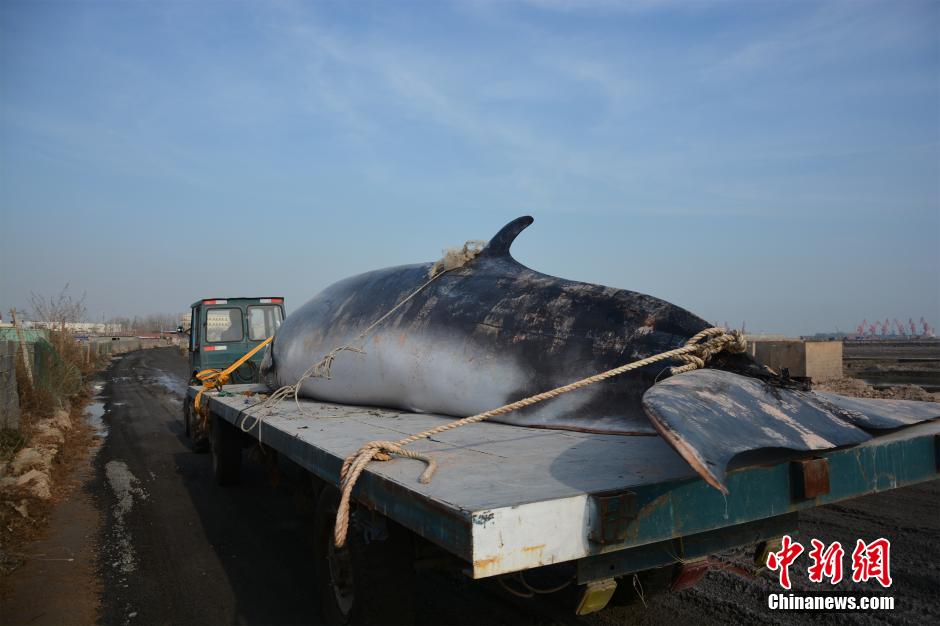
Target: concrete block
(818,360)
(823,360)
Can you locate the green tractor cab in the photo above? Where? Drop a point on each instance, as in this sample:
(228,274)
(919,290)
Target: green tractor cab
(221,331)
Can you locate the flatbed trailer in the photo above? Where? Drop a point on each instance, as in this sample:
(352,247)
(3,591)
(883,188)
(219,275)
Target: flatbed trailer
(509,499)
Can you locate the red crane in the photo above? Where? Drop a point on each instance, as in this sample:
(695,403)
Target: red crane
(899,326)
(928,330)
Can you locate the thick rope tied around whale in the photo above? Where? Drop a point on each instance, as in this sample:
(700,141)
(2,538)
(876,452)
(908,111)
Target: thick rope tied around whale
(452,259)
(695,353)
(323,367)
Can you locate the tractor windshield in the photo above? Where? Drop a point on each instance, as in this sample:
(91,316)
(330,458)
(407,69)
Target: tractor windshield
(263,321)
(224,325)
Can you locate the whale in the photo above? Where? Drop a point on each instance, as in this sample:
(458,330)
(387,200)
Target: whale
(492,331)
(485,334)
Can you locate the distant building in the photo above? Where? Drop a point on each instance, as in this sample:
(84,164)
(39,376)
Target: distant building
(94,328)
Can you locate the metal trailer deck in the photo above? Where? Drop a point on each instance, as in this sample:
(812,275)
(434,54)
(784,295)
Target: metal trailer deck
(507,498)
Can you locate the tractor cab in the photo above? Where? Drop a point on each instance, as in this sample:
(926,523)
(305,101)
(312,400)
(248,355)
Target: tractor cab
(224,329)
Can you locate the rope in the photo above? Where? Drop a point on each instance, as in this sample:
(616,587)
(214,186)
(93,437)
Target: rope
(323,367)
(695,353)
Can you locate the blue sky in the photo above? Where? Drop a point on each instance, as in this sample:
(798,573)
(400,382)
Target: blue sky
(774,162)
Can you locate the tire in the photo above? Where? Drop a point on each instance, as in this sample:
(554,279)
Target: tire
(226,453)
(198,440)
(246,373)
(364,583)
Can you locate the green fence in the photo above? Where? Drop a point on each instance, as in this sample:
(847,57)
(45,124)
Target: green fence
(29,335)
(53,379)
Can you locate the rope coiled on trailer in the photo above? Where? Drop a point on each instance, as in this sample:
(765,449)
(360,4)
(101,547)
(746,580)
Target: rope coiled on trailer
(695,354)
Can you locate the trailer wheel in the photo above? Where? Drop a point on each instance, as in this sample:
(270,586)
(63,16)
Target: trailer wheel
(197,438)
(365,582)
(226,452)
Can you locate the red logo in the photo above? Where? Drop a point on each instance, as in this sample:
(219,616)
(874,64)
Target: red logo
(827,563)
(869,560)
(789,551)
(872,560)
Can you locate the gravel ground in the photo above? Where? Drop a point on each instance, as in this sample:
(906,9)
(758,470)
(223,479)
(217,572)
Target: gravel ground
(909,517)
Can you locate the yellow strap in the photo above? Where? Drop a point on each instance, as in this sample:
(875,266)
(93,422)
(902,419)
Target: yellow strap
(214,379)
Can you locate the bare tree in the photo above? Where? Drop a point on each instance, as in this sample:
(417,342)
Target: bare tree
(57,311)
(118,324)
(156,322)
(152,323)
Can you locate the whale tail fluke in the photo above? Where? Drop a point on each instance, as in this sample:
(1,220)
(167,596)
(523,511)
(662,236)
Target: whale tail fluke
(710,417)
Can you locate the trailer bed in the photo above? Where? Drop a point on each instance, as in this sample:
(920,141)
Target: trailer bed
(507,498)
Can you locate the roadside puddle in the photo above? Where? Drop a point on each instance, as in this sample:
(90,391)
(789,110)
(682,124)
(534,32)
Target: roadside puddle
(94,414)
(170,383)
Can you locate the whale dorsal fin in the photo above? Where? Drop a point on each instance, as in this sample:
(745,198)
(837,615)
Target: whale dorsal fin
(501,241)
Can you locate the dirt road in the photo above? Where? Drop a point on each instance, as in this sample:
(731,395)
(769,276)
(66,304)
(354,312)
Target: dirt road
(174,548)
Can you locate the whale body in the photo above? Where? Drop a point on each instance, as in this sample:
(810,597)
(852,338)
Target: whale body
(483,335)
(494,331)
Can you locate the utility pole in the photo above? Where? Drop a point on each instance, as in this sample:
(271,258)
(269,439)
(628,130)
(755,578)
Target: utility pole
(19,334)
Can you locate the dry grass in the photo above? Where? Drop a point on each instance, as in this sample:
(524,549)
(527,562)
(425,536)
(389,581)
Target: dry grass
(64,366)
(16,531)
(11,441)
(65,370)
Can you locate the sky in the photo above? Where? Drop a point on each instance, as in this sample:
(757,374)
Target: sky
(769,163)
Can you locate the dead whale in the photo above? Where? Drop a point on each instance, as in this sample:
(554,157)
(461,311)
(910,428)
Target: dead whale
(483,335)
(493,331)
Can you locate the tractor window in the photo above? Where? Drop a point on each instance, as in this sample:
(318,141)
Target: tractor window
(263,321)
(223,325)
